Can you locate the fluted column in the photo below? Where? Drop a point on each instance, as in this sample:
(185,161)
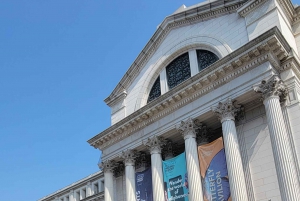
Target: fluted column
(273,92)
(155,145)
(188,131)
(226,112)
(129,160)
(107,167)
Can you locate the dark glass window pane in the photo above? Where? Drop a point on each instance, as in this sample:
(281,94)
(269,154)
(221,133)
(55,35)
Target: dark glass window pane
(178,70)
(205,58)
(155,91)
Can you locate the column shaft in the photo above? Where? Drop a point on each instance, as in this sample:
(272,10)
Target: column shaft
(193,169)
(71,196)
(226,112)
(157,177)
(234,162)
(285,166)
(108,186)
(130,182)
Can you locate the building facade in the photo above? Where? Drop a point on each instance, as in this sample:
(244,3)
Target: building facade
(217,70)
(90,188)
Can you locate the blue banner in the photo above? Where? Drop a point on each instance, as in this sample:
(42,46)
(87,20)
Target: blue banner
(175,179)
(143,185)
(214,172)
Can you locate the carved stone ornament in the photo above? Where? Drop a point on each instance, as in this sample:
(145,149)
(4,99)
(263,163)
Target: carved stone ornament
(227,110)
(204,134)
(141,161)
(155,144)
(107,166)
(169,149)
(129,156)
(274,86)
(188,128)
(119,169)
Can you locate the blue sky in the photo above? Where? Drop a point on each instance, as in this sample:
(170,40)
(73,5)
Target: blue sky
(59,59)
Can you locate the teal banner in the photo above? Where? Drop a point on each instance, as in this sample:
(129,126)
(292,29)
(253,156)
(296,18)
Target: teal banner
(175,179)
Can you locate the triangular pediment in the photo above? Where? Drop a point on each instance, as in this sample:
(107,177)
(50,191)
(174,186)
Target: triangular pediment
(183,16)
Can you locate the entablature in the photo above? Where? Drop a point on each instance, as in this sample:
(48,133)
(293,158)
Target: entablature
(270,46)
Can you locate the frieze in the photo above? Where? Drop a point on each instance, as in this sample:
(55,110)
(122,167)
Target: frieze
(268,47)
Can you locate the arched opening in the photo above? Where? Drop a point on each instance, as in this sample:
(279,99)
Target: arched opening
(155,90)
(178,70)
(205,58)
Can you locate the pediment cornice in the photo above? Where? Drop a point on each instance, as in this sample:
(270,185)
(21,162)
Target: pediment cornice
(270,46)
(287,6)
(186,17)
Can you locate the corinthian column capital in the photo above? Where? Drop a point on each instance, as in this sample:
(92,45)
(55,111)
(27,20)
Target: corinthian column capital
(155,144)
(129,157)
(273,86)
(107,166)
(188,128)
(226,110)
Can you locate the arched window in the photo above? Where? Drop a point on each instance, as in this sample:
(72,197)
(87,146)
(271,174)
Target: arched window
(178,70)
(155,90)
(205,58)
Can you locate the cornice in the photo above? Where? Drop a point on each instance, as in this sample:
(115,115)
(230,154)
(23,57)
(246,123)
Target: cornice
(289,9)
(287,6)
(189,16)
(249,6)
(270,46)
(110,101)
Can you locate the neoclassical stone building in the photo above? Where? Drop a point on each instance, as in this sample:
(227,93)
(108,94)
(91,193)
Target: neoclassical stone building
(225,69)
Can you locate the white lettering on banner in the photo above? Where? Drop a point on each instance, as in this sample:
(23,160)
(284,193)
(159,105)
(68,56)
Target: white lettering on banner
(215,185)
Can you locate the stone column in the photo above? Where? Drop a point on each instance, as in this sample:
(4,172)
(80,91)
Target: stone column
(226,112)
(107,167)
(155,145)
(188,130)
(129,160)
(88,189)
(273,92)
(71,195)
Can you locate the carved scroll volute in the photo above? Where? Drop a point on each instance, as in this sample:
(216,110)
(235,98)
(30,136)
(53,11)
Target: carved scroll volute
(273,86)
